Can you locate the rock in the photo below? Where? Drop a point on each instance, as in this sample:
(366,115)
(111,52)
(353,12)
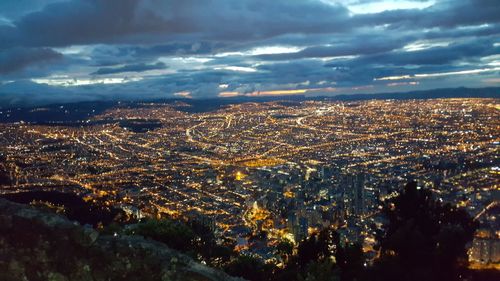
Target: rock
(85,236)
(56,276)
(39,245)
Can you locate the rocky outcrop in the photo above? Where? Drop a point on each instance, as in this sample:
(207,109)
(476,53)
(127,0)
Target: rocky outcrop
(39,245)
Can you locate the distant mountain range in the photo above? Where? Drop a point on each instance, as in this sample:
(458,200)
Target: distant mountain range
(65,111)
(44,95)
(490,92)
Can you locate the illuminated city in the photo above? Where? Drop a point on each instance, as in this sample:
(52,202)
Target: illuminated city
(249,140)
(289,168)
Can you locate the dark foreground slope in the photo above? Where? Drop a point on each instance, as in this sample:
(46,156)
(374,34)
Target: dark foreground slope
(38,245)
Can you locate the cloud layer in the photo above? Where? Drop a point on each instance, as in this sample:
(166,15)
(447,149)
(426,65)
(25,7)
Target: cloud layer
(91,49)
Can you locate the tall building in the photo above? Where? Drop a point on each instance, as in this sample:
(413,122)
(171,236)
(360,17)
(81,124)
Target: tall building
(302,229)
(485,247)
(359,194)
(353,193)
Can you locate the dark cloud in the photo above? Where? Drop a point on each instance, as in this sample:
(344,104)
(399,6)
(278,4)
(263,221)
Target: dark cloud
(16,59)
(140,67)
(14,9)
(477,31)
(115,55)
(444,14)
(175,49)
(133,21)
(467,51)
(211,42)
(360,45)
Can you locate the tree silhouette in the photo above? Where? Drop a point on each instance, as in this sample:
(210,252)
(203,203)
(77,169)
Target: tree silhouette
(175,234)
(317,247)
(424,239)
(320,271)
(315,259)
(350,261)
(284,249)
(250,268)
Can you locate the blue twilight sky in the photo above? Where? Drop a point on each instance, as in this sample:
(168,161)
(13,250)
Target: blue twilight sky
(65,50)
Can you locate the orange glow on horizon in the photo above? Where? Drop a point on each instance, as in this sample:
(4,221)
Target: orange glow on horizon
(277,92)
(183,94)
(228,94)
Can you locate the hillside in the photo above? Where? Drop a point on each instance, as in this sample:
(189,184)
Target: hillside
(39,245)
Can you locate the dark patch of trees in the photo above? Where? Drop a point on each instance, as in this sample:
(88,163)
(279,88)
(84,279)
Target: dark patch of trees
(75,208)
(424,239)
(192,238)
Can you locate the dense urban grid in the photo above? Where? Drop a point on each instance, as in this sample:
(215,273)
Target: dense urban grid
(286,168)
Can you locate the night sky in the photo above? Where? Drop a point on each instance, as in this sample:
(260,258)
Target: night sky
(77,50)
